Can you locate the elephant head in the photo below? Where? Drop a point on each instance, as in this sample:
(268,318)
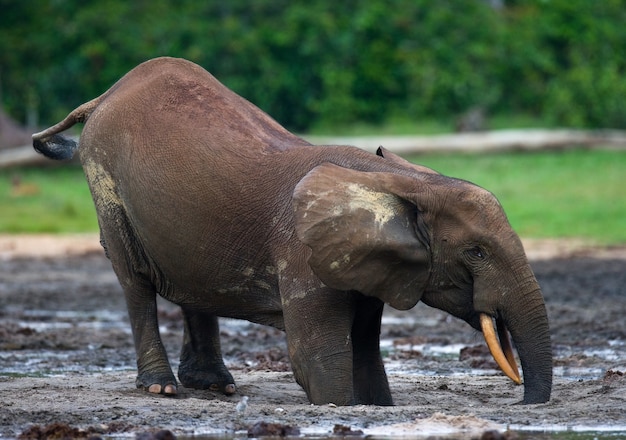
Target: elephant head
(408,235)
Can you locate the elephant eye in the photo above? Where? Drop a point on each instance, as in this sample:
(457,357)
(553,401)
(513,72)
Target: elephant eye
(477,252)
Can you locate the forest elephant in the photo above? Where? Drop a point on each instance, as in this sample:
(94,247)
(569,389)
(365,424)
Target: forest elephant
(204,199)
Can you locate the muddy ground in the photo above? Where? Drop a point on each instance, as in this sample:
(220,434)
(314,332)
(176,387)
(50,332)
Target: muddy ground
(66,356)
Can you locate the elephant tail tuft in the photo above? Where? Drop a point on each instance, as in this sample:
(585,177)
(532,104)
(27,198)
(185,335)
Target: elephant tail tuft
(51,144)
(55,147)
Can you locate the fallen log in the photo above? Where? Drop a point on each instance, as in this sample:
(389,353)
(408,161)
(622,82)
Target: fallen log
(482,142)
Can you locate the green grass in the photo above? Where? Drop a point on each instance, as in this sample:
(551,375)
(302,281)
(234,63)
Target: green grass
(575,193)
(55,199)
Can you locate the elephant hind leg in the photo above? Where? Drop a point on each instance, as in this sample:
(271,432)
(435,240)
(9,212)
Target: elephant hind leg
(154,371)
(370,380)
(130,265)
(201,364)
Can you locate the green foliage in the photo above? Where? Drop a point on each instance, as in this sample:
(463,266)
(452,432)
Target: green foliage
(326,62)
(568,55)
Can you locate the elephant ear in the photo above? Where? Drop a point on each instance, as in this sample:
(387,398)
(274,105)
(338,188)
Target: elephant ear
(363,233)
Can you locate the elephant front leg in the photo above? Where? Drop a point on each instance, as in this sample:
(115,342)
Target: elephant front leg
(201,364)
(370,380)
(318,329)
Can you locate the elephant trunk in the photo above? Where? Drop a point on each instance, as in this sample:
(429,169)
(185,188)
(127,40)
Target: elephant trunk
(526,319)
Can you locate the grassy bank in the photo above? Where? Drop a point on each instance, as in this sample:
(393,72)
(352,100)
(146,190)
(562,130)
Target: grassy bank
(578,193)
(54,199)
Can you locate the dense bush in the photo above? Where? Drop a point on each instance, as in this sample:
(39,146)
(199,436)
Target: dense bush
(567,61)
(331,61)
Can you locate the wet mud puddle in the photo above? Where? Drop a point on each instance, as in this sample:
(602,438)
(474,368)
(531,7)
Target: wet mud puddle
(61,354)
(69,348)
(404,355)
(459,355)
(66,319)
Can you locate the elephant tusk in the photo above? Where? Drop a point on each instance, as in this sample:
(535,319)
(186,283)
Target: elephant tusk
(505,343)
(486,323)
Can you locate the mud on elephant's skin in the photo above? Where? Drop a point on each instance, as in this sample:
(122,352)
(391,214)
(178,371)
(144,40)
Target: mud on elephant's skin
(204,199)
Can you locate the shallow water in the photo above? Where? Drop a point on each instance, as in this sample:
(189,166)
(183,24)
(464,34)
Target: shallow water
(41,362)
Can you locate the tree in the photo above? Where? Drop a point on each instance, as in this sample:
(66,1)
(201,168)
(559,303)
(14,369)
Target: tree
(331,61)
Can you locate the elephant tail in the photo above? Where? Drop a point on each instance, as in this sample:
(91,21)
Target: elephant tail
(54,146)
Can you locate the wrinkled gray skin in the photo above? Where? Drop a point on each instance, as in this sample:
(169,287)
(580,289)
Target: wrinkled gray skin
(205,200)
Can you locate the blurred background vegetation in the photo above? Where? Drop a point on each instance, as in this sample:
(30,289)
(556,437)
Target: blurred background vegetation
(345,67)
(327,62)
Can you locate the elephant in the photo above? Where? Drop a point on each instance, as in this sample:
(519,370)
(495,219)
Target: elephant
(205,200)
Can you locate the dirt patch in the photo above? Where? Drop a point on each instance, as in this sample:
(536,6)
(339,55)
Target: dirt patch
(66,356)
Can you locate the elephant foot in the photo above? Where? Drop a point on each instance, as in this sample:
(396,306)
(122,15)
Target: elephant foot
(158,389)
(220,381)
(228,389)
(155,385)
